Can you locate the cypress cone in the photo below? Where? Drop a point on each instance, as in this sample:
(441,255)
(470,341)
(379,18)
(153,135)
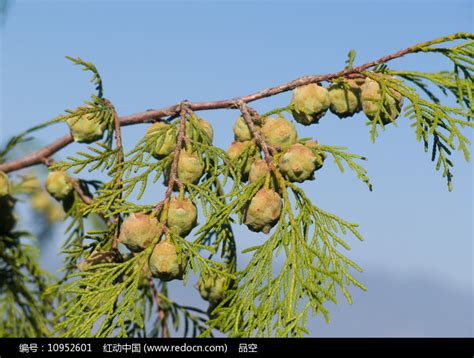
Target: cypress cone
(40,201)
(164,262)
(87,128)
(138,231)
(241,130)
(237,148)
(309,103)
(59,185)
(298,163)
(182,216)
(263,211)
(279,132)
(235,151)
(258,169)
(345,102)
(205,126)
(190,168)
(212,287)
(165,141)
(371,95)
(320,155)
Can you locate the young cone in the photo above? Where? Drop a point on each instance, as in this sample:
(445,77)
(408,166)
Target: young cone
(182,216)
(164,262)
(59,185)
(309,103)
(258,169)
(88,127)
(237,148)
(298,163)
(263,211)
(41,201)
(371,96)
(190,168)
(139,230)
(165,140)
(205,126)
(279,132)
(320,155)
(235,151)
(212,287)
(345,100)
(242,130)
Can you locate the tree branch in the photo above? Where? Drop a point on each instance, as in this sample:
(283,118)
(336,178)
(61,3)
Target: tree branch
(156,114)
(36,157)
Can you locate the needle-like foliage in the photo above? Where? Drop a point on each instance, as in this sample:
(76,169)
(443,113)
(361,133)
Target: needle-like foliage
(111,286)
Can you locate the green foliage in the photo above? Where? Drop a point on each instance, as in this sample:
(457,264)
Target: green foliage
(108,291)
(25,310)
(435,124)
(340,156)
(89,66)
(266,303)
(350,58)
(290,276)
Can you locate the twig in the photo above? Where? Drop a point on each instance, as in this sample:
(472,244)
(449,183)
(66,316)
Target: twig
(119,168)
(245,110)
(87,199)
(173,179)
(84,197)
(153,115)
(161,311)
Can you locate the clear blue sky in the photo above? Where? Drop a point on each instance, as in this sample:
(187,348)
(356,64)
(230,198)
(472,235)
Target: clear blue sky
(418,250)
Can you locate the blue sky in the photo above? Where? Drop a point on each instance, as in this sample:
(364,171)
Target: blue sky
(418,237)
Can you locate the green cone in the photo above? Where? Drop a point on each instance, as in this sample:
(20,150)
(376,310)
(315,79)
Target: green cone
(165,139)
(182,216)
(59,185)
(86,128)
(190,168)
(309,103)
(139,230)
(263,211)
(371,95)
(298,163)
(164,263)
(345,101)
